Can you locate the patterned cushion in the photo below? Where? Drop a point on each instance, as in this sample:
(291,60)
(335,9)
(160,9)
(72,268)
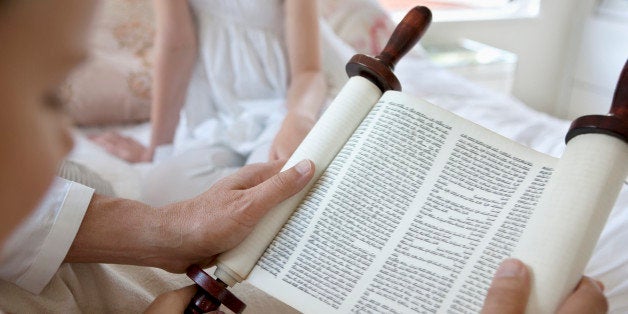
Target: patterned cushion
(114,85)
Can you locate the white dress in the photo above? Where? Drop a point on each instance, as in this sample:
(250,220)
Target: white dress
(241,77)
(235,102)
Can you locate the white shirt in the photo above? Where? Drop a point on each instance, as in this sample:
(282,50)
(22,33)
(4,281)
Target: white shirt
(36,249)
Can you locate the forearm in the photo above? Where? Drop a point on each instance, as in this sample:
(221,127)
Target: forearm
(121,231)
(306,95)
(175,57)
(188,232)
(307,89)
(173,69)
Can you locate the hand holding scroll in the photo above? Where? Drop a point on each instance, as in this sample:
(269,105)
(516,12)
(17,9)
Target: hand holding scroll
(510,290)
(223,216)
(188,232)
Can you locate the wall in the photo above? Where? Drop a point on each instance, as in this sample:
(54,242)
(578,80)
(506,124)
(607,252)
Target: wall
(546,47)
(601,56)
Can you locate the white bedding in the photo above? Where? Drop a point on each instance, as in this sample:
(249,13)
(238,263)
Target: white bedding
(500,113)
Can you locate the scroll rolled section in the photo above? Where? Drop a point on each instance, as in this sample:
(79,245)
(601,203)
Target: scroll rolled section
(406,35)
(321,145)
(565,227)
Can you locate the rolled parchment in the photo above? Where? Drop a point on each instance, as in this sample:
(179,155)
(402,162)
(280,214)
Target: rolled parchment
(321,145)
(572,214)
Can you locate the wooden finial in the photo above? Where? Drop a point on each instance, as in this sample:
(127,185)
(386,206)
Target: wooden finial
(379,69)
(619,106)
(210,294)
(615,123)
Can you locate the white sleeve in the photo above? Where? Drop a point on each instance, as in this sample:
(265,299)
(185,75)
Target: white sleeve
(36,249)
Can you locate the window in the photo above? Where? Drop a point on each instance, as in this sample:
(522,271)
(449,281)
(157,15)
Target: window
(466,10)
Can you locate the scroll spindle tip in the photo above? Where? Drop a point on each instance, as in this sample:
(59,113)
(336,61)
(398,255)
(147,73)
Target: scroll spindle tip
(406,35)
(379,69)
(615,123)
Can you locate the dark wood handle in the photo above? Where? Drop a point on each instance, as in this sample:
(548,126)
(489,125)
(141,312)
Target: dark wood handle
(619,107)
(379,69)
(210,294)
(615,123)
(406,35)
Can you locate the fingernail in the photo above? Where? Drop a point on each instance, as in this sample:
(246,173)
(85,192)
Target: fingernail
(599,284)
(510,268)
(303,167)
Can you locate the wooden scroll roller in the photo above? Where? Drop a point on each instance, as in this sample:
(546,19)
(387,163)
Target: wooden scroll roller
(615,123)
(211,293)
(379,69)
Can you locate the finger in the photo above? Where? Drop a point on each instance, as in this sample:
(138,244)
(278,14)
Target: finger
(94,136)
(281,186)
(587,298)
(172,301)
(114,149)
(207,263)
(108,136)
(272,152)
(184,294)
(130,141)
(98,139)
(116,137)
(509,290)
(272,156)
(254,174)
(280,154)
(106,144)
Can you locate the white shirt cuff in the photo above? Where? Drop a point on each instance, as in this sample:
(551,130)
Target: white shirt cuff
(57,243)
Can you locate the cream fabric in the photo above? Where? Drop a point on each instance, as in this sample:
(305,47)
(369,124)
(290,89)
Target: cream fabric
(78,173)
(102,288)
(114,85)
(92,288)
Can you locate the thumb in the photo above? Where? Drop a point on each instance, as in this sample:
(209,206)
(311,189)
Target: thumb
(283,185)
(587,298)
(509,290)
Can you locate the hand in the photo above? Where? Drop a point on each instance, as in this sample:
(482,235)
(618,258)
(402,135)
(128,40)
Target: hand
(223,216)
(510,290)
(293,130)
(123,147)
(173,301)
(588,297)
